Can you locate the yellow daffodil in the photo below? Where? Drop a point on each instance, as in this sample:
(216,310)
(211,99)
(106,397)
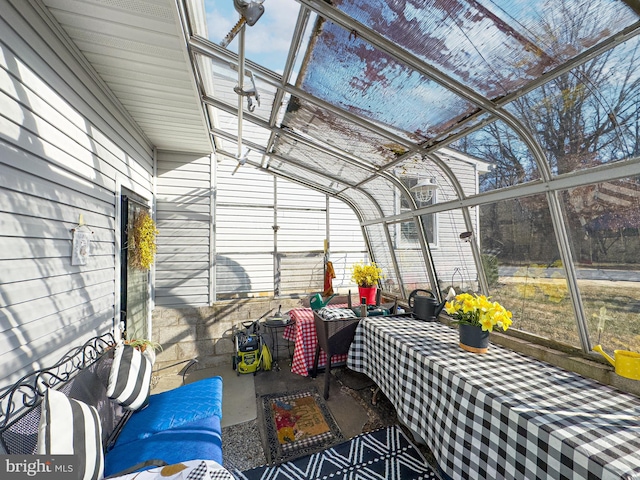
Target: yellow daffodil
(478,310)
(366,275)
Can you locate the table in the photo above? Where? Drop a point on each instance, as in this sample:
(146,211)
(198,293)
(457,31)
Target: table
(303,333)
(501,415)
(272,330)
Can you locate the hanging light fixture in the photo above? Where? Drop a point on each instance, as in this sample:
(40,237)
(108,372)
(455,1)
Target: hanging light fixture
(423,190)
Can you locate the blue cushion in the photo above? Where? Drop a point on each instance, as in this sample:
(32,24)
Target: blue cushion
(199,440)
(175,408)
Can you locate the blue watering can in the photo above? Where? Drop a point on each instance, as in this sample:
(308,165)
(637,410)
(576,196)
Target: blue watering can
(317,303)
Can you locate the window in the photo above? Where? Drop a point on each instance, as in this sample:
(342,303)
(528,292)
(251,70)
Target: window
(408,230)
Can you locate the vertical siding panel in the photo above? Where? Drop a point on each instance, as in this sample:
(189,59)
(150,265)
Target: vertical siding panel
(63,150)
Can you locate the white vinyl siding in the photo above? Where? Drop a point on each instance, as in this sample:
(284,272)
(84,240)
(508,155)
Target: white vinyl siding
(183,213)
(252,258)
(244,231)
(64,148)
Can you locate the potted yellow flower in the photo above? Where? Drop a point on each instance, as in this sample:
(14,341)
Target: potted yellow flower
(366,277)
(476,316)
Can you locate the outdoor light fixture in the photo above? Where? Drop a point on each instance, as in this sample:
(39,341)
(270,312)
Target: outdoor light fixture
(466,236)
(423,190)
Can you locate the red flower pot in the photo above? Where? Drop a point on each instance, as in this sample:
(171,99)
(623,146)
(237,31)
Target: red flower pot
(369,293)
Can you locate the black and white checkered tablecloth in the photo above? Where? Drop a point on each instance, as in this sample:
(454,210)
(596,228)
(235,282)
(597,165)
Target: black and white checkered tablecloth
(501,415)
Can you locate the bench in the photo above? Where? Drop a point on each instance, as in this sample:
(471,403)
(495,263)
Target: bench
(172,427)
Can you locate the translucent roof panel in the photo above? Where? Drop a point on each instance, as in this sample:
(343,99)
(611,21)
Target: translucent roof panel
(386,194)
(319,160)
(302,175)
(326,127)
(374,85)
(251,133)
(511,160)
(587,116)
(366,206)
(492,46)
(417,168)
(225,78)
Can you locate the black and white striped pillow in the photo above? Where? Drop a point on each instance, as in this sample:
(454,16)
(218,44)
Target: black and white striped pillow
(71,427)
(129,378)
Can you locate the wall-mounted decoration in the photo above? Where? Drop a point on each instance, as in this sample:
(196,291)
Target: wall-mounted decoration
(81,246)
(142,241)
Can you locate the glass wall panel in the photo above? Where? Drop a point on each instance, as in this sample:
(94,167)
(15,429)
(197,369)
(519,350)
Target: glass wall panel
(603,221)
(590,115)
(382,255)
(452,256)
(524,270)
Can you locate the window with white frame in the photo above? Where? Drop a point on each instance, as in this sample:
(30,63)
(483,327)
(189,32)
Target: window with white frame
(407,231)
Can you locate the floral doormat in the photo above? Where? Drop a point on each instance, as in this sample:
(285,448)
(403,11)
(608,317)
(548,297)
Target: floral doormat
(297,423)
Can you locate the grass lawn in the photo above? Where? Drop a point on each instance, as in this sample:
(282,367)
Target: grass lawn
(542,306)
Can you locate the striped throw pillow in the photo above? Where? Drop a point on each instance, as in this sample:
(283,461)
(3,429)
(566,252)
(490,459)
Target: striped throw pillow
(129,378)
(71,427)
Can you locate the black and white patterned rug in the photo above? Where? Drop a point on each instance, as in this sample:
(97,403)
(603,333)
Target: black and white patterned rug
(383,454)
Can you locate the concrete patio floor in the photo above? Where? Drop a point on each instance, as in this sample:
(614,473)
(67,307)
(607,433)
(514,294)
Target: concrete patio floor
(243,432)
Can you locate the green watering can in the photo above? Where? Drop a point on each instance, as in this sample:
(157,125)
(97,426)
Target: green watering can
(317,303)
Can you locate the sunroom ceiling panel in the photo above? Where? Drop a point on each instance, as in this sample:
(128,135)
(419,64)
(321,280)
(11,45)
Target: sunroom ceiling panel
(305,176)
(224,77)
(375,86)
(421,167)
(492,46)
(320,160)
(386,194)
(252,134)
(595,106)
(373,149)
(363,203)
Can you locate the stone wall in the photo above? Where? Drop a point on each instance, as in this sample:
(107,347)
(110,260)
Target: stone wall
(207,332)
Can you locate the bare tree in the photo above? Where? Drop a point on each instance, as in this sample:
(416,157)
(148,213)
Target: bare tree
(586,117)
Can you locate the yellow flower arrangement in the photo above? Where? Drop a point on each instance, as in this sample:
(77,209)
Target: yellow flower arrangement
(142,242)
(366,275)
(479,311)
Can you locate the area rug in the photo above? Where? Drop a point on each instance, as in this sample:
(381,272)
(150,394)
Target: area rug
(384,454)
(297,423)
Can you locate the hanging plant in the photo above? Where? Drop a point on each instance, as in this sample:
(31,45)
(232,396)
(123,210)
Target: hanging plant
(142,242)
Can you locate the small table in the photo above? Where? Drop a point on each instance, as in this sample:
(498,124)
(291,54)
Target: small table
(273,328)
(302,332)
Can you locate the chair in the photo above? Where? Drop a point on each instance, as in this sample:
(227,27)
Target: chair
(334,337)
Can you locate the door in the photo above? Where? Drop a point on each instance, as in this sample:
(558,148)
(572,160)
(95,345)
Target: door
(134,282)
